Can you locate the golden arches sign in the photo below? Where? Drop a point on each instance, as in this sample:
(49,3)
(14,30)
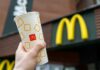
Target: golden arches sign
(70,25)
(9,66)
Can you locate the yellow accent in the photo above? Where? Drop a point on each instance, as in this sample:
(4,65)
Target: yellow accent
(9,66)
(27,45)
(41,36)
(22,35)
(36,27)
(27,27)
(20,22)
(70,28)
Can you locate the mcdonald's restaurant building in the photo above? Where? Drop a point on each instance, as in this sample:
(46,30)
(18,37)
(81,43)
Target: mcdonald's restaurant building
(71,30)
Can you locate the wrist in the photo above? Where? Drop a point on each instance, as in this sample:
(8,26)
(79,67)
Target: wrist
(18,68)
(21,68)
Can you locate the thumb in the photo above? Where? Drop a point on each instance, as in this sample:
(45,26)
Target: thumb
(20,48)
(38,46)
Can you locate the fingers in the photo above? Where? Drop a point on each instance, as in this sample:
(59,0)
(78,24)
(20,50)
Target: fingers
(38,46)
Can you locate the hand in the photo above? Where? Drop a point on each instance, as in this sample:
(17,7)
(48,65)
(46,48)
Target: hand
(27,60)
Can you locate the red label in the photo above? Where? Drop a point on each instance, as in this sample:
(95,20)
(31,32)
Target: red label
(32,37)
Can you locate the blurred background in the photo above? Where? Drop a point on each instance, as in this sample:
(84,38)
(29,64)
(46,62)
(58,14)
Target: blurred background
(74,55)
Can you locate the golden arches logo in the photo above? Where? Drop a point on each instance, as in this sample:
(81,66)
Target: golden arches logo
(9,66)
(70,25)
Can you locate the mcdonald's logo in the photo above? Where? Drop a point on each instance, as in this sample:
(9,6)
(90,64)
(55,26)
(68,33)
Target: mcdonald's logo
(70,25)
(9,65)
